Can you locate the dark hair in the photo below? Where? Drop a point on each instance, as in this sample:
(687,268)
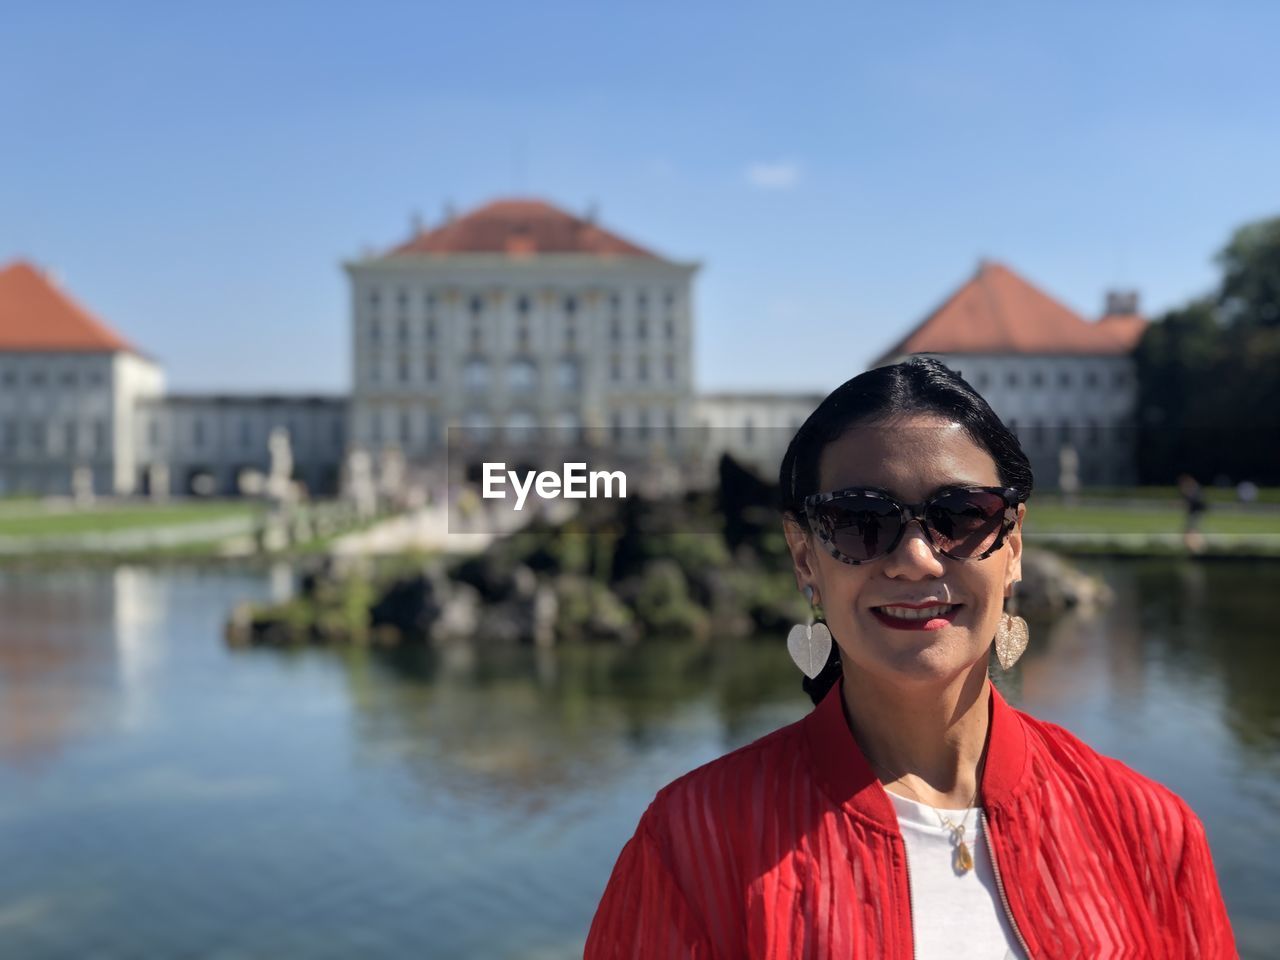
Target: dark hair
(917,385)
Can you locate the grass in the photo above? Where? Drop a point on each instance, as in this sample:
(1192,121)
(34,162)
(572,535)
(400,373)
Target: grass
(39,519)
(1051,518)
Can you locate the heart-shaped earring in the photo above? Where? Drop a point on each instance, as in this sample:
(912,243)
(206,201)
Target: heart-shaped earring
(1012,637)
(809,644)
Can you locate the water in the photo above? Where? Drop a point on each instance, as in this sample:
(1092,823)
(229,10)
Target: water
(164,796)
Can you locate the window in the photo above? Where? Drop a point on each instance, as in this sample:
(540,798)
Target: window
(477,306)
(406,427)
(615,330)
(69,437)
(567,374)
(642,328)
(477,425)
(522,376)
(430,301)
(375,331)
(984,380)
(10,436)
(246,433)
(1011,378)
(522,337)
(1037,379)
(571,336)
(669,367)
(1093,434)
(642,303)
(475,375)
(375,428)
(37,378)
(402,369)
(402,330)
(521,425)
(669,300)
(615,426)
(671,423)
(642,425)
(1091,378)
(402,299)
(523,306)
(570,306)
(1064,378)
(1119,379)
(642,368)
(476,337)
(197,433)
(374,298)
(431,367)
(615,368)
(375,369)
(569,426)
(1037,433)
(68,378)
(669,329)
(100,436)
(615,306)
(431,331)
(1064,432)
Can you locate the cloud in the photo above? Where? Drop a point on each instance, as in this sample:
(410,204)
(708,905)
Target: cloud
(773,176)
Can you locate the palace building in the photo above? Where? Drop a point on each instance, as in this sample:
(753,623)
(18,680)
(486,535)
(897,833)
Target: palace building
(68,389)
(515,317)
(1066,385)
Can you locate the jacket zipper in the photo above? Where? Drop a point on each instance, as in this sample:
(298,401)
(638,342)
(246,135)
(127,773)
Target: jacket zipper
(1004,898)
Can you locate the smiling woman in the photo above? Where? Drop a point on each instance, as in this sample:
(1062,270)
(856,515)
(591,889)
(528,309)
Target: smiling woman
(913,812)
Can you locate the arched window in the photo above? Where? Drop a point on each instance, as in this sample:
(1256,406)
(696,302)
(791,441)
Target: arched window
(568,374)
(522,376)
(475,376)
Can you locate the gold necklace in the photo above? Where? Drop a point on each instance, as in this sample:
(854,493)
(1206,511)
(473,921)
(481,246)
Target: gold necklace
(962,858)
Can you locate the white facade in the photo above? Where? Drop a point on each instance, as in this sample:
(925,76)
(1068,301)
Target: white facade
(63,412)
(754,428)
(1085,402)
(206,444)
(595,346)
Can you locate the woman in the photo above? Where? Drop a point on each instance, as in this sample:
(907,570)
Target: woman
(914,813)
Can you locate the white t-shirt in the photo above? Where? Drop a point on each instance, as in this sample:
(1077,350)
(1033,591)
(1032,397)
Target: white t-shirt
(956,916)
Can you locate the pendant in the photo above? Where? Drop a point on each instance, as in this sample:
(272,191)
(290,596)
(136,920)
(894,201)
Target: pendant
(964,859)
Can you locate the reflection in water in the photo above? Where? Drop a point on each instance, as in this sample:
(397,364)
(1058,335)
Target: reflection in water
(470,801)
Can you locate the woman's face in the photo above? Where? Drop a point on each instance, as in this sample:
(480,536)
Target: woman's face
(911,458)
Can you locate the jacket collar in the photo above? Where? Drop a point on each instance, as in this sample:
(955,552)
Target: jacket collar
(844,773)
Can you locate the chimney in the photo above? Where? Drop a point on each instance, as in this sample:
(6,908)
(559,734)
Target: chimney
(416,224)
(1121,303)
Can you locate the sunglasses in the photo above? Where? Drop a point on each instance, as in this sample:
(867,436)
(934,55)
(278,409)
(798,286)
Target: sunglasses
(858,525)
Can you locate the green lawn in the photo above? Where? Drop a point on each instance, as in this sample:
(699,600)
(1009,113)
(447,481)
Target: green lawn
(1051,518)
(36,519)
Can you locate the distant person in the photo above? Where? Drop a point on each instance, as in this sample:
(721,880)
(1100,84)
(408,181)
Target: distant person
(913,812)
(1193,497)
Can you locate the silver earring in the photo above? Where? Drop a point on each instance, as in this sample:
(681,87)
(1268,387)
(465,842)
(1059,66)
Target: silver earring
(1012,635)
(809,644)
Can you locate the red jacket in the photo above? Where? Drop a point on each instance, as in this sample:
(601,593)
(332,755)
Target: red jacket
(790,848)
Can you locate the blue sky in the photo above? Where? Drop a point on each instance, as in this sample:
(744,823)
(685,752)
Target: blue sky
(196,175)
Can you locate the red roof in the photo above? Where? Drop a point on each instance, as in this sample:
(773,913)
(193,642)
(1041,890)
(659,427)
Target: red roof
(36,316)
(999,312)
(521,228)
